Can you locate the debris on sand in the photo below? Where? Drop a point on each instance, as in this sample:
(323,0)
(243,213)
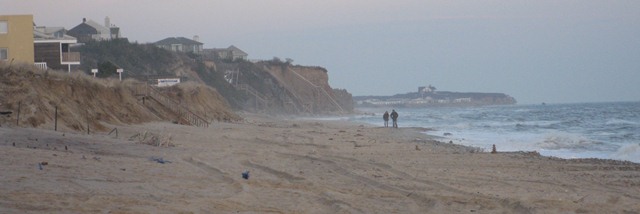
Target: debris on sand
(245,174)
(153,139)
(159,160)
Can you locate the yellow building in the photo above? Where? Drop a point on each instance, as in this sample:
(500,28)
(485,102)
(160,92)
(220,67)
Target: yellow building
(16,39)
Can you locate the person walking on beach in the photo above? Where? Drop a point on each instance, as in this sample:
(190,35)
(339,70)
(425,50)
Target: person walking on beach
(385,117)
(394,117)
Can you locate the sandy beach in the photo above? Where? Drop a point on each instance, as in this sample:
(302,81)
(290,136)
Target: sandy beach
(295,166)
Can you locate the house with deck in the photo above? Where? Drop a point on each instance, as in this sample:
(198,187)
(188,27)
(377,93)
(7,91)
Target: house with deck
(52,48)
(46,47)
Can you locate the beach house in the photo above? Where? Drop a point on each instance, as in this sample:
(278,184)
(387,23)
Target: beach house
(231,53)
(16,39)
(90,30)
(181,44)
(52,48)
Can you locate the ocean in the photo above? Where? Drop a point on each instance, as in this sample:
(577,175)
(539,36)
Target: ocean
(584,130)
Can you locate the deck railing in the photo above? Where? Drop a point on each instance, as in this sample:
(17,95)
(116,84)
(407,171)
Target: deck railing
(70,56)
(41,65)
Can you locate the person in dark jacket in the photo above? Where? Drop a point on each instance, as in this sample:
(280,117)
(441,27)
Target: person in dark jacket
(385,117)
(394,117)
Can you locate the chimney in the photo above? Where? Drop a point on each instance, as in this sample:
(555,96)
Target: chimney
(107,22)
(84,20)
(196,38)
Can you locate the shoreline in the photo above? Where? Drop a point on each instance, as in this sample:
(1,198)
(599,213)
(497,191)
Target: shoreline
(525,132)
(295,166)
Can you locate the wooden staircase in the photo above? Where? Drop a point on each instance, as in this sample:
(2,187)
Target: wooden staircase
(182,111)
(261,101)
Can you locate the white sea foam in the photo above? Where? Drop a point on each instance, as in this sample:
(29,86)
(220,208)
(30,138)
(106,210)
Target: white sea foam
(621,122)
(556,141)
(630,152)
(328,118)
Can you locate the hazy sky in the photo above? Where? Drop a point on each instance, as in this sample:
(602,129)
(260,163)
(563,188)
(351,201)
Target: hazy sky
(553,51)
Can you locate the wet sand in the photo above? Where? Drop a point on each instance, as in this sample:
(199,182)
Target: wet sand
(294,166)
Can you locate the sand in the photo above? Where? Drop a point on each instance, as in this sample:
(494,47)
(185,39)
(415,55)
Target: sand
(295,166)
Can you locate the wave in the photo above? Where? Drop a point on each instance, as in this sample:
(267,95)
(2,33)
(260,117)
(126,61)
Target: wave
(630,152)
(572,142)
(620,122)
(329,118)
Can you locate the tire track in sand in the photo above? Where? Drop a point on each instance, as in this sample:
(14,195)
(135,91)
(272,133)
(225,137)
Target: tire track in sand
(336,205)
(279,174)
(424,203)
(216,175)
(515,206)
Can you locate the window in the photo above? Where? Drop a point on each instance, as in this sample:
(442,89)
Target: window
(4,27)
(4,54)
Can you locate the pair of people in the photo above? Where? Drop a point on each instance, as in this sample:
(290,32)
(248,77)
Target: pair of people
(394,117)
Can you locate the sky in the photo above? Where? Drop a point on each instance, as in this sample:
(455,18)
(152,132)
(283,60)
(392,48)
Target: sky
(553,51)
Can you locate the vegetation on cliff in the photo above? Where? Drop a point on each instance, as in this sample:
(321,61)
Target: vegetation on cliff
(245,85)
(136,59)
(83,102)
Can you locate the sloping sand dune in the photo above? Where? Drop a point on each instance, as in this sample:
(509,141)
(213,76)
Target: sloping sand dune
(295,167)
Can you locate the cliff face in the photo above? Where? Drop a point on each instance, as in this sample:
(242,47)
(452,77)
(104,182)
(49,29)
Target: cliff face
(276,87)
(272,87)
(80,99)
(344,98)
(308,88)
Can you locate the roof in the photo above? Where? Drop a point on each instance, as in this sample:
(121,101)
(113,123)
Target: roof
(177,40)
(102,29)
(46,34)
(49,30)
(83,28)
(236,50)
(87,27)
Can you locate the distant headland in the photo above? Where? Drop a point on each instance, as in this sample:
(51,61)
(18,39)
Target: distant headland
(428,96)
